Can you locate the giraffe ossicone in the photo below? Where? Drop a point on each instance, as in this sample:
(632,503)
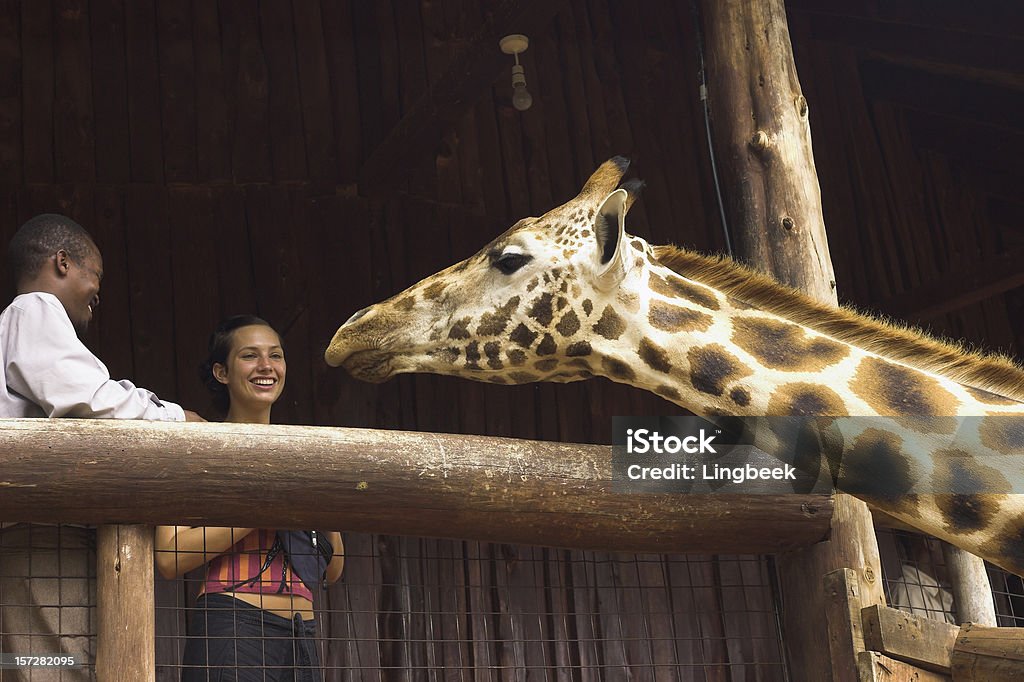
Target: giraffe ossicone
(571,295)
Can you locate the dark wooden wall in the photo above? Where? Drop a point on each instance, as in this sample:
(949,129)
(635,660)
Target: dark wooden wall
(215,150)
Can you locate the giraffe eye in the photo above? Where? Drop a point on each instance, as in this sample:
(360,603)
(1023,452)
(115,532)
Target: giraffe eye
(507,263)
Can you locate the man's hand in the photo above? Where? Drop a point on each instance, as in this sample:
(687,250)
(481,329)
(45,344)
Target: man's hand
(191,416)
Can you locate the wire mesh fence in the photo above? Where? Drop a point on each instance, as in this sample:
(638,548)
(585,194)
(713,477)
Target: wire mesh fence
(47,601)
(410,608)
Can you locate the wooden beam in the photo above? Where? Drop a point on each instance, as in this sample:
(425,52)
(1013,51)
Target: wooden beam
(875,667)
(984,654)
(395,482)
(919,641)
(470,73)
(126,619)
(983,280)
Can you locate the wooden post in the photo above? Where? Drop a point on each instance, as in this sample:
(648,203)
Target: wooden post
(845,628)
(762,141)
(126,629)
(972,593)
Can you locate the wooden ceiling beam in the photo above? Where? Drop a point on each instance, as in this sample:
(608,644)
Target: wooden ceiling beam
(470,73)
(955,290)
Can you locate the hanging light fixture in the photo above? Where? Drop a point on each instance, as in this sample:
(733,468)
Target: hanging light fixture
(513,45)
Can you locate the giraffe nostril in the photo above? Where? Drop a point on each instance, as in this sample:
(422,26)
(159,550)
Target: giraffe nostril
(357,315)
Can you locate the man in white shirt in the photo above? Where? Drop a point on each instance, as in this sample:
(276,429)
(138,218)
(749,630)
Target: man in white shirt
(49,372)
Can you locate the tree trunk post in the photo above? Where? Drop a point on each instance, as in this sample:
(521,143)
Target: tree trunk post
(126,618)
(761,137)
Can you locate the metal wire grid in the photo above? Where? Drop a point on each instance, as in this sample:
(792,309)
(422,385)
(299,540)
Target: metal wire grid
(434,609)
(48,598)
(1008,594)
(914,574)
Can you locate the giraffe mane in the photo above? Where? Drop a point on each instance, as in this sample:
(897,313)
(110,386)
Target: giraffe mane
(994,373)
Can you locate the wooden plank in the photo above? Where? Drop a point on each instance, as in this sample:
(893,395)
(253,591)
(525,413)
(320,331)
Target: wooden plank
(236,276)
(109,77)
(115,332)
(315,85)
(340,46)
(124,604)
(469,75)
(213,135)
(194,244)
(845,629)
(38,82)
(372,113)
(874,667)
(149,271)
(10,93)
(143,72)
(246,81)
(287,141)
(936,45)
(988,654)
(977,282)
(178,76)
(922,642)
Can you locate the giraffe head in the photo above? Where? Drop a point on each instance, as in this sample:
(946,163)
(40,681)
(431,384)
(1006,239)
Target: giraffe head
(513,312)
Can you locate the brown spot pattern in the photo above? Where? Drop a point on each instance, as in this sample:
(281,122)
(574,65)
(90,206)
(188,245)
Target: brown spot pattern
(963,487)
(740,396)
(460,330)
(545,365)
(875,466)
(521,377)
(578,349)
(492,349)
(588,307)
(547,346)
(406,304)
(523,336)
(712,367)
(672,318)
(668,392)
(432,292)
(654,356)
(542,310)
(1003,433)
(892,389)
(677,287)
(493,324)
(802,399)
(785,346)
(989,398)
(611,325)
(516,357)
(569,324)
(473,356)
(616,369)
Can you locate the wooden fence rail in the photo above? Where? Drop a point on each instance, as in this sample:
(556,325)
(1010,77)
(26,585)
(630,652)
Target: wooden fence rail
(395,482)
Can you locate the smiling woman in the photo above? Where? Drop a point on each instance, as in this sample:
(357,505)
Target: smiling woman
(255,606)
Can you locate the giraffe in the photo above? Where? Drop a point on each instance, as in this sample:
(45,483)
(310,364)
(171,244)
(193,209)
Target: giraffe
(571,295)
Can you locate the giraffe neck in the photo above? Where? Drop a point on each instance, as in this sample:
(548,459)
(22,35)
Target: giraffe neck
(716,354)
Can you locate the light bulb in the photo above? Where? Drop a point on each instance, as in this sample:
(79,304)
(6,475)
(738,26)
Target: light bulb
(521,98)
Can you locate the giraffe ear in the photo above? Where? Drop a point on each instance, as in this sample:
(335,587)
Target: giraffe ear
(609,227)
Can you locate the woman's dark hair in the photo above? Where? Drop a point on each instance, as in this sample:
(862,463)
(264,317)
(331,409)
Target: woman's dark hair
(219,347)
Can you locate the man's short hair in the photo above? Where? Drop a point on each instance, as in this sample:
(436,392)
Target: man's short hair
(43,236)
